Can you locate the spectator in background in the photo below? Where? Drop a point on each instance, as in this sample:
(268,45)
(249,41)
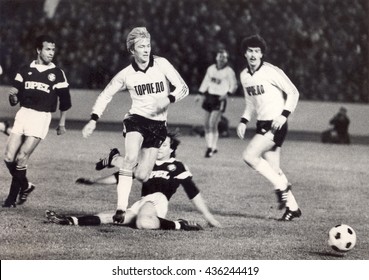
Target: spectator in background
(339,132)
(219,82)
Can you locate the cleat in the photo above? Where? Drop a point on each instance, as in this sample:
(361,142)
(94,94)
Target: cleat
(54,218)
(106,162)
(189,225)
(22,198)
(282,197)
(84,181)
(8,204)
(215,151)
(289,215)
(209,153)
(118,218)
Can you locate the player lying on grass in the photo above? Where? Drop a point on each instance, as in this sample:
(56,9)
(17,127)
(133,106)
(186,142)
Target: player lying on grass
(150,211)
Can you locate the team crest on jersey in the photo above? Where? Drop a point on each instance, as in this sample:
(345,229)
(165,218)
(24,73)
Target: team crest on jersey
(51,77)
(171,167)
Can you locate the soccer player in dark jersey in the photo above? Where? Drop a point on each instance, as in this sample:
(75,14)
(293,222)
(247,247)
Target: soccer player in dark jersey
(272,97)
(150,211)
(147,79)
(219,82)
(37,88)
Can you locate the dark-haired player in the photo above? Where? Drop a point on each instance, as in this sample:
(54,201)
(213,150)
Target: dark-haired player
(148,81)
(38,88)
(271,95)
(150,211)
(219,82)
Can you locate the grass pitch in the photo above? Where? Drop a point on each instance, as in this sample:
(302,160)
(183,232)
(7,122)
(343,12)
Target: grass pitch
(329,182)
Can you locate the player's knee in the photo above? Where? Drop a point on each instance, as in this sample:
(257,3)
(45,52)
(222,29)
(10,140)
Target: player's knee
(128,162)
(142,175)
(22,158)
(147,222)
(249,158)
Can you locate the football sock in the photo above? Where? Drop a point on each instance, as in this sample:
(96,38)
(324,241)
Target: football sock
(264,168)
(209,139)
(88,220)
(283,176)
(10,166)
(291,201)
(166,224)
(19,182)
(124,188)
(20,174)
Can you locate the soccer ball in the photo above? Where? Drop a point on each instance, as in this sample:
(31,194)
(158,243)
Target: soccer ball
(342,238)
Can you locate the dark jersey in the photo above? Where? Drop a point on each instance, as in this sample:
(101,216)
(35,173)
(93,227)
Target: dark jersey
(40,87)
(167,176)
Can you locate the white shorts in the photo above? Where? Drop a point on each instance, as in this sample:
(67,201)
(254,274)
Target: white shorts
(30,122)
(158,199)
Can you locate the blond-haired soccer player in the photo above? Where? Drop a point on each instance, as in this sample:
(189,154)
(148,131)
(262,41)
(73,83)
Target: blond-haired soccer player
(271,95)
(150,210)
(147,79)
(219,82)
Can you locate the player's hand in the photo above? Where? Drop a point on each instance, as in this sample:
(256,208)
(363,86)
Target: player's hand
(241,129)
(89,128)
(13,99)
(278,122)
(60,130)
(118,218)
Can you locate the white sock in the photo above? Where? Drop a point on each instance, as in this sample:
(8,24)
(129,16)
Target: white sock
(209,139)
(291,201)
(124,188)
(268,172)
(283,176)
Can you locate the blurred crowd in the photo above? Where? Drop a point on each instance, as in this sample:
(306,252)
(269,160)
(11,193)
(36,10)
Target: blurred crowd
(322,45)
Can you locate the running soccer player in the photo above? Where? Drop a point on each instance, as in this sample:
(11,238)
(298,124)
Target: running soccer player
(148,81)
(37,87)
(219,82)
(265,86)
(150,211)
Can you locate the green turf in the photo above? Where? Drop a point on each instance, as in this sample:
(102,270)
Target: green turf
(330,183)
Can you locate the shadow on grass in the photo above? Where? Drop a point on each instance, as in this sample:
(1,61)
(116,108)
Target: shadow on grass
(327,254)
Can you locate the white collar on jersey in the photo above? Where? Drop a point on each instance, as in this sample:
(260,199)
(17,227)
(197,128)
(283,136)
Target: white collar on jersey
(41,67)
(160,162)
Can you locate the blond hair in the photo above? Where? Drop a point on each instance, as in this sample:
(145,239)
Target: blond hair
(136,34)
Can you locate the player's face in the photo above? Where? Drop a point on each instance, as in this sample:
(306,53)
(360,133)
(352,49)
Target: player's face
(142,50)
(46,54)
(221,59)
(165,150)
(253,56)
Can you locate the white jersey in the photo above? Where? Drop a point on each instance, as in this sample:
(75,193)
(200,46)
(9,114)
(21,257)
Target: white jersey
(219,81)
(268,91)
(145,87)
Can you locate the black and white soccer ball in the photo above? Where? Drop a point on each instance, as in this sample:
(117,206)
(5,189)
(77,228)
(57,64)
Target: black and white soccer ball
(342,238)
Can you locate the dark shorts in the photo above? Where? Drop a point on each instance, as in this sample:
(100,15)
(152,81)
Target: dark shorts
(212,102)
(263,127)
(153,132)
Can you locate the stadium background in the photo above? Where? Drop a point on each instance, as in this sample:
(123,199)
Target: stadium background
(322,45)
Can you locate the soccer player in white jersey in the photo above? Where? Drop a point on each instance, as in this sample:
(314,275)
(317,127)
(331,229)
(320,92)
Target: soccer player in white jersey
(271,95)
(219,82)
(148,81)
(38,87)
(150,210)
